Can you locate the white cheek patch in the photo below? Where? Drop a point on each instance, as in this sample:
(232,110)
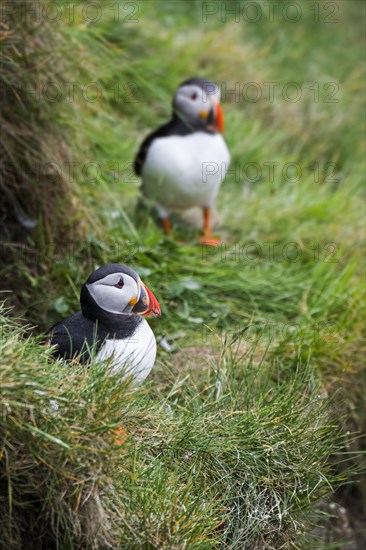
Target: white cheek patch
(192,100)
(109,297)
(213,90)
(210,90)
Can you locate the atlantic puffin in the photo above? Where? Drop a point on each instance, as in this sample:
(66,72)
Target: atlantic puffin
(183,163)
(114,302)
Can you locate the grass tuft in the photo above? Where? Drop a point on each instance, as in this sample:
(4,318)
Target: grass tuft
(236,459)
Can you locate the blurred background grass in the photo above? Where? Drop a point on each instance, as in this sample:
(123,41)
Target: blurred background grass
(78,98)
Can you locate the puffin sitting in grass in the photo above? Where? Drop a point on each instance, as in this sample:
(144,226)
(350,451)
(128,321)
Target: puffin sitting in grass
(114,302)
(183,163)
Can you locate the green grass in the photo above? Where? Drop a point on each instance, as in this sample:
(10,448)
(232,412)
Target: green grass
(235,458)
(297,322)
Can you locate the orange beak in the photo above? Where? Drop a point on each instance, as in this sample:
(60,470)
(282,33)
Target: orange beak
(219,117)
(147,306)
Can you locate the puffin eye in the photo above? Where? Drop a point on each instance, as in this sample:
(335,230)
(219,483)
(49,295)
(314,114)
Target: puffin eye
(120,283)
(194,96)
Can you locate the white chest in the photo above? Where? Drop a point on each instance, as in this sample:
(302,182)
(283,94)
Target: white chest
(185,171)
(134,356)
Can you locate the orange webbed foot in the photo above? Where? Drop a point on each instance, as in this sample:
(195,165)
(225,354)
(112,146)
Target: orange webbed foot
(210,240)
(207,238)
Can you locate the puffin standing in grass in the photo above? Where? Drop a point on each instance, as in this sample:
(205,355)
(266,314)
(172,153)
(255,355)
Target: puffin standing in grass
(183,163)
(111,323)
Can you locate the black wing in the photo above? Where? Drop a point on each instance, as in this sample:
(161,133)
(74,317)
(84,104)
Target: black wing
(142,153)
(75,336)
(176,127)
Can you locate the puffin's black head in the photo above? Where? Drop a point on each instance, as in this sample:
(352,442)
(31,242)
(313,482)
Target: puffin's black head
(117,289)
(197,101)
